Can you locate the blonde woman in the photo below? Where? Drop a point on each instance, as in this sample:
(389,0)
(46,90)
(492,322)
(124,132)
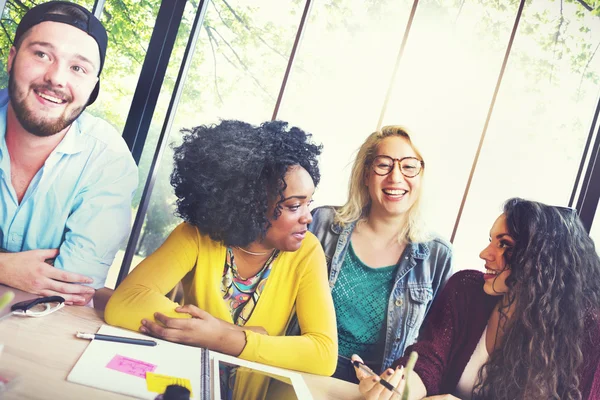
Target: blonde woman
(384,268)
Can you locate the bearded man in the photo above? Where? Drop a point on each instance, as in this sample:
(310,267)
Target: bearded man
(67,178)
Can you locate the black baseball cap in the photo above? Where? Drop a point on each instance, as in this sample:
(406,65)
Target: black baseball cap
(93,27)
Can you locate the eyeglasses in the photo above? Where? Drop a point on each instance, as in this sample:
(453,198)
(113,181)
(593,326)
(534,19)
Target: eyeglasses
(409,166)
(38,307)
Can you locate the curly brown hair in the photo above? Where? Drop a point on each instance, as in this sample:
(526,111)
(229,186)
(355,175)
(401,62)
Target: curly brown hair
(554,286)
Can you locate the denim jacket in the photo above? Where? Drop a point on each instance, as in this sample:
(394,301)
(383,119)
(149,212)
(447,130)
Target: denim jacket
(422,272)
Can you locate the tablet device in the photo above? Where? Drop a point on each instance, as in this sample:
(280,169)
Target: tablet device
(236,379)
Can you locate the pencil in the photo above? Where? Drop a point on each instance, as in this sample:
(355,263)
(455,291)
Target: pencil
(118,339)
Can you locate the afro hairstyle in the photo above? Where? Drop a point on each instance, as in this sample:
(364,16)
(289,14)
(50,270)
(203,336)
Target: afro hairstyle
(227,175)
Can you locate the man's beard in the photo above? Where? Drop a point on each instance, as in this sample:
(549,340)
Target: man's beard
(33,124)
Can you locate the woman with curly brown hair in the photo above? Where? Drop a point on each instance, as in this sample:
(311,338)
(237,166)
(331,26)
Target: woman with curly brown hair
(533,332)
(243,253)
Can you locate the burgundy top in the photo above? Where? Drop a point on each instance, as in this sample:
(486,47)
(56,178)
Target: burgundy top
(454,326)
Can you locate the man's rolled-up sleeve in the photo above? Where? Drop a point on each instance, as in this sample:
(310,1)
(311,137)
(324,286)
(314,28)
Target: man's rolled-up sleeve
(100,220)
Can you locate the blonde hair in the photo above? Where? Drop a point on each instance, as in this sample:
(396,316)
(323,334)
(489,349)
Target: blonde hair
(359,202)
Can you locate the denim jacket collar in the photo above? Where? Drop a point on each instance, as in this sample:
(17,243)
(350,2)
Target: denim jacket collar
(420,251)
(338,229)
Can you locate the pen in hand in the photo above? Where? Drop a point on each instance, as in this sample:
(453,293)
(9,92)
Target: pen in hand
(369,371)
(119,339)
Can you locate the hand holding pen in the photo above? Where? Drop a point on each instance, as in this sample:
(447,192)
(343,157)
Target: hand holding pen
(391,385)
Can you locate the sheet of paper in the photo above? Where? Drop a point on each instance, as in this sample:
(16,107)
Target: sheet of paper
(171,359)
(130,366)
(158,383)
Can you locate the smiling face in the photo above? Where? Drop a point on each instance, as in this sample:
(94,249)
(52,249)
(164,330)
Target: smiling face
(51,77)
(288,230)
(393,194)
(494,255)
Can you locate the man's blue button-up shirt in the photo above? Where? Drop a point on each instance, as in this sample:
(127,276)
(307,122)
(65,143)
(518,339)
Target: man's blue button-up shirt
(78,202)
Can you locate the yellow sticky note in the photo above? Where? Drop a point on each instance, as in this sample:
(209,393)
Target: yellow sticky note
(158,383)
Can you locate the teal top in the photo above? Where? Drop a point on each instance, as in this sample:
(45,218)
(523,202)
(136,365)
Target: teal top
(360,296)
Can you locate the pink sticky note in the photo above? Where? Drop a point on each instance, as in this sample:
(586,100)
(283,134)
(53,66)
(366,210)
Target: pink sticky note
(131,366)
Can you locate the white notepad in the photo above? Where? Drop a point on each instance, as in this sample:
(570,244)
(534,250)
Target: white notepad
(176,360)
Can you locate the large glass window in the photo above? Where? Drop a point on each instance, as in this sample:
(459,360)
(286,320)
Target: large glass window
(159,221)
(129,25)
(343,69)
(236,73)
(338,84)
(443,91)
(541,120)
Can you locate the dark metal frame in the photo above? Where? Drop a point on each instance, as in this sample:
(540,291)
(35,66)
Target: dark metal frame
(162,140)
(98,8)
(576,187)
(152,75)
(288,70)
(589,196)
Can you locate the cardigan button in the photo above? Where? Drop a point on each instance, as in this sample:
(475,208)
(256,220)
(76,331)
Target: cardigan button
(399,302)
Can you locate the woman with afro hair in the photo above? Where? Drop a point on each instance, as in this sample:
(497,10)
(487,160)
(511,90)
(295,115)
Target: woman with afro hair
(244,255)
(526,329)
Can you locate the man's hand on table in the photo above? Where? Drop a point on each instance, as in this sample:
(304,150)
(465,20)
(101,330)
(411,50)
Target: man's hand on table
(28,271)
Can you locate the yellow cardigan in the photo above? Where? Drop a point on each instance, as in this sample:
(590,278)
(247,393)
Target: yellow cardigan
(297,279)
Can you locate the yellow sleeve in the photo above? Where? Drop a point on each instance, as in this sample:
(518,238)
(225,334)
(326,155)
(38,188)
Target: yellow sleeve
(315,351)
(143,292)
